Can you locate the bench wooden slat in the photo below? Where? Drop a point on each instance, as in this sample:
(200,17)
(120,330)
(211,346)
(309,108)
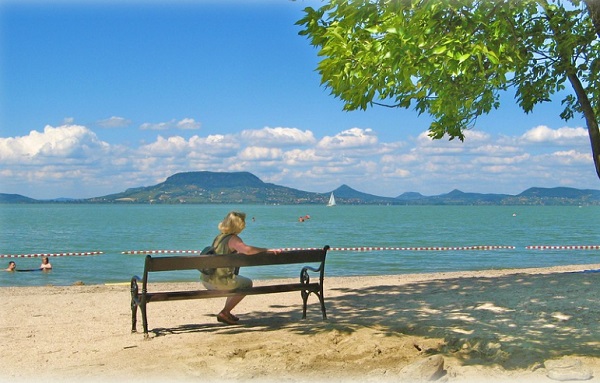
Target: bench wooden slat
(194,262)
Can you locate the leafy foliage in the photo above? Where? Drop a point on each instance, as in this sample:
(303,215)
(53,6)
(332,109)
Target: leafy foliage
(451,59)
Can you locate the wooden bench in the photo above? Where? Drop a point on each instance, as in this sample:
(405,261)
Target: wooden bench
(156,264)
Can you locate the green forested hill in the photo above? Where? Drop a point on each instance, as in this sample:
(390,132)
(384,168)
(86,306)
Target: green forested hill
(213,187)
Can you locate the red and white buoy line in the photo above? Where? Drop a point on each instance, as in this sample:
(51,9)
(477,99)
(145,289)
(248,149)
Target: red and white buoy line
(35,255)
(427,248)
(161,252)
(568,247)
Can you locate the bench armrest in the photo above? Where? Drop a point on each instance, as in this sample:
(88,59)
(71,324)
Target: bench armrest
(305,276)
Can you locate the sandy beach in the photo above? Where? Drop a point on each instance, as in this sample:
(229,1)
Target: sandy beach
(495,325)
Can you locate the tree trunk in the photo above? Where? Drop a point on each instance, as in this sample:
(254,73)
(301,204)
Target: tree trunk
(590,115)
(593,7)
(590,118)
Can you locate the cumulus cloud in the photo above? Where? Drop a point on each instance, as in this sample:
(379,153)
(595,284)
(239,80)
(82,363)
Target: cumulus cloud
(185,124)
(255,153)
(504,160)
(565,135)
(349,139)
(188,124)
(573,157)
(63,142)
(278,137)
(307,157)
(114,122)
(175,146)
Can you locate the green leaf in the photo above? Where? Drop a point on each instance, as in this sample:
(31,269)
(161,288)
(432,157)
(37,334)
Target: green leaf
(439,50)
(462,58)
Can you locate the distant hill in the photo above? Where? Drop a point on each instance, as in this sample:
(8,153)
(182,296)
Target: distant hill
(245,188)
(455,197)
(556,196)
(348,195)
(532,196)
(214,187)
(560,192)
(15,198)
(410,196)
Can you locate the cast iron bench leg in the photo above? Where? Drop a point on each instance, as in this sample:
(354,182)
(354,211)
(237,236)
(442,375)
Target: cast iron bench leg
(322,300)
(134,306)
(305,295)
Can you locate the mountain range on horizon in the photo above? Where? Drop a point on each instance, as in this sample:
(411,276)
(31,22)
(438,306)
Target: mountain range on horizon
(204,187)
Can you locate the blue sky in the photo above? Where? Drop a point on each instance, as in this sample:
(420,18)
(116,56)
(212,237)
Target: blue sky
(97,97)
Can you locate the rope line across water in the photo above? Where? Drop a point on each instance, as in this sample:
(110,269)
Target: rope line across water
(568,247)
(69,254)
(427,248)
(161,252)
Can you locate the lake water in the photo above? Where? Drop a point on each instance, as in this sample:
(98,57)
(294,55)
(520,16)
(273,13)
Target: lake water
(114,229)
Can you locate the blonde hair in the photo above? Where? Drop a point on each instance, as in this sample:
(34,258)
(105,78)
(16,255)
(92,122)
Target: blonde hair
(233,223)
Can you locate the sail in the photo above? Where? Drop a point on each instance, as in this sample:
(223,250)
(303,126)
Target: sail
(331,200)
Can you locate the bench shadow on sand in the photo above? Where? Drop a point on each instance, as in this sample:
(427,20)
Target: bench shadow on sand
(513,320)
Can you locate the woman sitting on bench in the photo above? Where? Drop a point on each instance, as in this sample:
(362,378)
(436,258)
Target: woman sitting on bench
(225,278)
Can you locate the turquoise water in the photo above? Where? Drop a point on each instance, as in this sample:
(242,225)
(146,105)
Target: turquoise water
(113,229)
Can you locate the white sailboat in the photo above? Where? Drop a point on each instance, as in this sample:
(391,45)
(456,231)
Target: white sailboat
(331,200)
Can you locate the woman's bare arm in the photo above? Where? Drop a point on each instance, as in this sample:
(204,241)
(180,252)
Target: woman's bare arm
(236,243)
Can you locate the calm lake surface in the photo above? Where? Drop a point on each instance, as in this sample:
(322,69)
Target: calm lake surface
(114,229)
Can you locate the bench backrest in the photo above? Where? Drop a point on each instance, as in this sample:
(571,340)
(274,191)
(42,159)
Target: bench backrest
(233,260)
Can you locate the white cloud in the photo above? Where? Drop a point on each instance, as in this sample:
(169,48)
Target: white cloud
(565,135)
(185,124)
(53,144)
(298,157)
(218,141)
(569,157)
(506,159)
(188,124)
(349,139)
(278,137)
(114,122)
(255,153)
(495,149)
(175,146)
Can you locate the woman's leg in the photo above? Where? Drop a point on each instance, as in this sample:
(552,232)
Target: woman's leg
(225,315)
(231,302)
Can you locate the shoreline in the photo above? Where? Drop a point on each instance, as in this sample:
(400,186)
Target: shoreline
(490,325)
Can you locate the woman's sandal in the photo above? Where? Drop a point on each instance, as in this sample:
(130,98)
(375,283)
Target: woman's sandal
(224,318)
